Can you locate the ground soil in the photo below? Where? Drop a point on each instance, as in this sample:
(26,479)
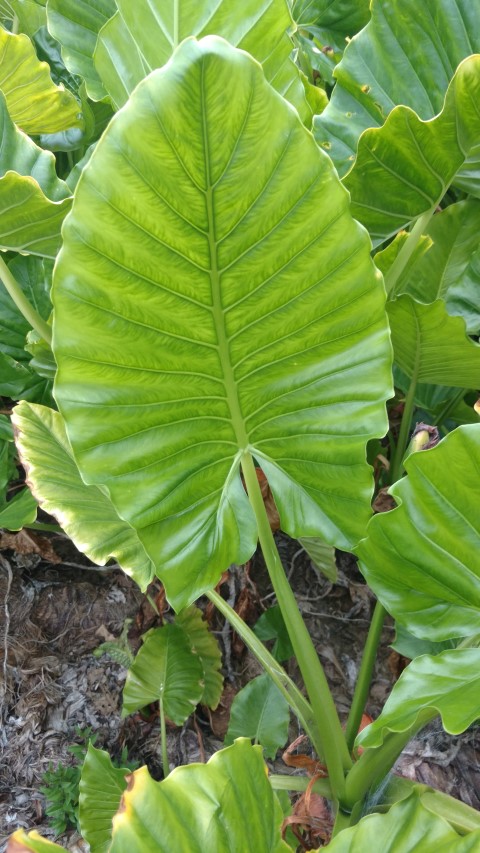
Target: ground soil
(56,609)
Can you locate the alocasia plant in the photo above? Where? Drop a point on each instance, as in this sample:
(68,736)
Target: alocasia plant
(217,308)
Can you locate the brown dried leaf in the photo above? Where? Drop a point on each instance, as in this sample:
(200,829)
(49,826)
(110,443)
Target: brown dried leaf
(384,502)
(28,542)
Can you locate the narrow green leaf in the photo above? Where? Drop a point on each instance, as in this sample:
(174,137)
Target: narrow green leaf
(404,168)
(18,512)
(76,24)
(407,54)
(259,711)
(448,683)
(422,559)
(165,669)
(85,513)
(406,827)
(33,101)
(431,345)
(101,789)
(205,645)
(231,340)
(227,804)
(142,37)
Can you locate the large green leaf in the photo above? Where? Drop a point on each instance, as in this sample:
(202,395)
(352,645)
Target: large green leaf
(341,17)
(205,309)
(205,645)
(407,54)
(143,36)
(84,512)
(432,346)
(422,559)
(450,269)
(405,167)
(226,805)
(261,712)
(34,102)
(165,670)
(101,788)
(33,201)
(76,24)
(447,684)
(408,826)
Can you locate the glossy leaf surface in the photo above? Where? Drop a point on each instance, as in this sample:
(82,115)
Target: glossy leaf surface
(261,712)
(84,512)
(407,826)
(407,54)
(101,789)
(34,102)
(448,683)
(33,201)
(167,670)
(76,24)
(404,168)
(422,559)
(186,334)
(227,804)
(432,346)
(205,645)
(143,36)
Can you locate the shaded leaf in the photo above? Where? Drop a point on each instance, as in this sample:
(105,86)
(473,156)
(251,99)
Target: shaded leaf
(422,560)
(85,513)
(260,711)
(18,512)
(101,788)
(321,555)
(227,804)
(271,626)
(205,645)
(342,17)
(166,670)
(31,276)
(33,101)
(411,647)
(142,37)
(194,365)
(19,381)
(447,684)
(31,842)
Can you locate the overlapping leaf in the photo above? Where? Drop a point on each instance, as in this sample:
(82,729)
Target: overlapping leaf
(33,201)
(33,101)
(31,276)
(101,788)
(447,684)
(205,645)
(407,54)
(405,167)
(341,17)
(76,24)
(166,670)
(431,346)
(261,712)
(143,36)
(227,804)
(422,559)
(85,513)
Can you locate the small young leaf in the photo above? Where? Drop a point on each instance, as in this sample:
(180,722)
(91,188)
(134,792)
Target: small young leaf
(166,668)
(205,645)
(261,712)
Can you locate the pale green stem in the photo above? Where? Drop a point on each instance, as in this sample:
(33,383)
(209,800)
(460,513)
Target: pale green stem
(334,747)
(407,250)
(362,687)
(31,315)
(163,738)
(284,782)
(299,705)
(396,469)
(15,25)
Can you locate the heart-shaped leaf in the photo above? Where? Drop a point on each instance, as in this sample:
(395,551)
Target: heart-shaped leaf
(422,559)
(407,54)
(143,36)
(431,346)
(227,804)
(101,789)
(33,101)
(206,310)
(261,712)
(205,645)
(76,24)
(166,670)
(447,684)
(85,513)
